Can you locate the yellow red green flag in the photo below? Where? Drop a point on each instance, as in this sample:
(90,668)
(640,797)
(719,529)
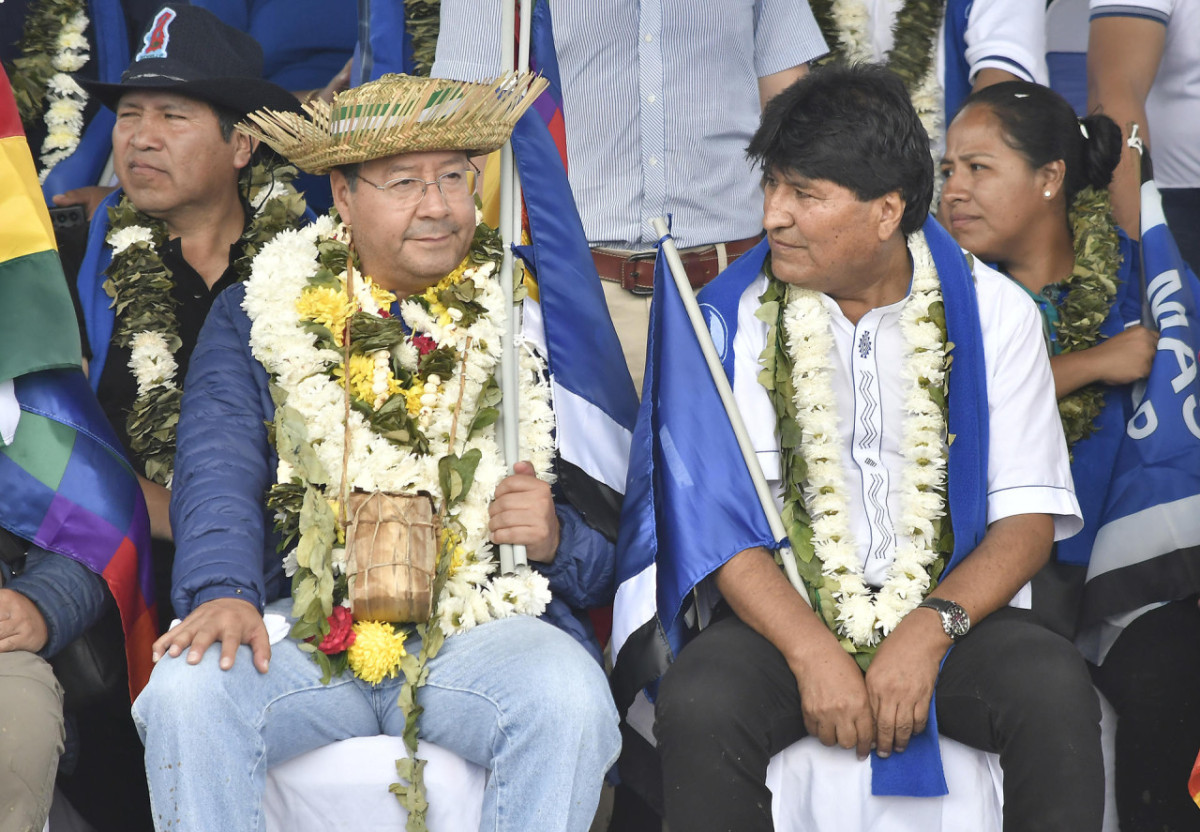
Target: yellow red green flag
(37,320)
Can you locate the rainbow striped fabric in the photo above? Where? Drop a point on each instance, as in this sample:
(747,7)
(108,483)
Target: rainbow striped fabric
(37,307)
(66,484)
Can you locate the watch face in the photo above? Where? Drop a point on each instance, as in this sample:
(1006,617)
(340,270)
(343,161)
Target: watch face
(957,621)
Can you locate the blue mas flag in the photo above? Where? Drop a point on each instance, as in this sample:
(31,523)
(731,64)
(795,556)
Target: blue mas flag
(673,532)
(595,403)
(1148,531)
(690,504)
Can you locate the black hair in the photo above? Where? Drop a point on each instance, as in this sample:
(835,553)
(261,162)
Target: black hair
(854,126)
(1040,125)
(227,119)
(351,172)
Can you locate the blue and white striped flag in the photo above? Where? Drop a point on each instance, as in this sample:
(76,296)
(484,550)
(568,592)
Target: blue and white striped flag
(595,404)
(1148,534)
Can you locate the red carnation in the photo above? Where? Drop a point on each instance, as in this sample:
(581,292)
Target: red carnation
(424,344)
(341,634)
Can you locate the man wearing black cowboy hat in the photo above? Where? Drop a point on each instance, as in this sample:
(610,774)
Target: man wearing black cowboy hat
(192,210)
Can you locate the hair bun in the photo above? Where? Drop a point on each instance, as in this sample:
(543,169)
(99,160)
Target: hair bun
(1102,148)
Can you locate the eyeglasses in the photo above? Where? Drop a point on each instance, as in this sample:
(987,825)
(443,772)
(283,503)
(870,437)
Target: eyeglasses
(408,190)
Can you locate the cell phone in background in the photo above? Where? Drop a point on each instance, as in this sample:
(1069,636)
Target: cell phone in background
(70,216)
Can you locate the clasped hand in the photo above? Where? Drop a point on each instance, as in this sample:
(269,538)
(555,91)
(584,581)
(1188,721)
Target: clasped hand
(884,708)
(522,512)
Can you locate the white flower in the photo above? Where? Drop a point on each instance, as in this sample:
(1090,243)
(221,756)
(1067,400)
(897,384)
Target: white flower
(63,85)
(122,238)
(152,362)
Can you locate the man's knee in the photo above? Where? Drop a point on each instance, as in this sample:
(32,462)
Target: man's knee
(532,674)
(568,687)
(178,692)
(31,738)
(709,687)
(1038,676)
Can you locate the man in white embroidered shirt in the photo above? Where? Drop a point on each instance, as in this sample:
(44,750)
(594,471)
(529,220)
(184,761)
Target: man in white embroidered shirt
(859,305)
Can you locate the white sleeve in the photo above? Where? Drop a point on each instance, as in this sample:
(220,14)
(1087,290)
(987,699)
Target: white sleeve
(1008,35)
(468,47)
(1159,10)
(785,35)
(1029,471)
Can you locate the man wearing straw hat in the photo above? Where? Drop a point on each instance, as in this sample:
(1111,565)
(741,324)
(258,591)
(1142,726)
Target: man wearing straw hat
(341,410)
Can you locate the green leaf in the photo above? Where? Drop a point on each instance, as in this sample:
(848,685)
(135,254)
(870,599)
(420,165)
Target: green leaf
(483,418)
(768,312)
(456,475)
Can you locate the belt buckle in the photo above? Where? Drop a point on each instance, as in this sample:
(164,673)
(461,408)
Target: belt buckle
(641,291)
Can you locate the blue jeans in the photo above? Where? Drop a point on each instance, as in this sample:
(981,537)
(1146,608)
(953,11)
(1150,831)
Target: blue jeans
(516,696)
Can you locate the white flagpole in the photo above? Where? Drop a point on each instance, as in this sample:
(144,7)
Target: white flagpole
(511,555)
(731,409)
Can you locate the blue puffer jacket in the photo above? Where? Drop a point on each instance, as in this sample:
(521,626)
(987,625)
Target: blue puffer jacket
(224,543)
(69,596)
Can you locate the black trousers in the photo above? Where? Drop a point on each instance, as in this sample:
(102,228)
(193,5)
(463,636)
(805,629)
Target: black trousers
(730,702)
(1152,678)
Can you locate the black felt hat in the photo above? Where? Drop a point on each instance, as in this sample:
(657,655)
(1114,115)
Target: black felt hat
(188,50)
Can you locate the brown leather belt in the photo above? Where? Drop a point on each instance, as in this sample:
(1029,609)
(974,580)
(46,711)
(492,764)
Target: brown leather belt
(635,271)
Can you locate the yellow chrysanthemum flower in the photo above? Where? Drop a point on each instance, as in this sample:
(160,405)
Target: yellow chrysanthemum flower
(383,298)
(325,306)
(362,377)
(335,506)
(376,652)
(457,558)
(431,294)
(412,399)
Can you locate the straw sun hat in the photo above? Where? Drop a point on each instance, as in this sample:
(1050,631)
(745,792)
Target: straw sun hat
(398,114)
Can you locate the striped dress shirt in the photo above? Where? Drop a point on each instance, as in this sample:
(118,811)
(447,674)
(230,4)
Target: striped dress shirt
(660,99)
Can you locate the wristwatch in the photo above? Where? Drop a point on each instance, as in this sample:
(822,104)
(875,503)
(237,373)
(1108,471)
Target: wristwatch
(955,620)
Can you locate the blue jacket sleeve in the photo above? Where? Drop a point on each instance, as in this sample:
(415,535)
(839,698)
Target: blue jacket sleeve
(69,596)
(223,467)
(583,572)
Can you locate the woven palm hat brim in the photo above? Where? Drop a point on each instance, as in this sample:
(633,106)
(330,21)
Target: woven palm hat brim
(397,114)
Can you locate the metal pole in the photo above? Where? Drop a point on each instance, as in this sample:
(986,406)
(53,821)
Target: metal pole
(511,555)
(731,409)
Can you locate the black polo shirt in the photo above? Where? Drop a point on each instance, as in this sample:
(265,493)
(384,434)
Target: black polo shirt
(118,387)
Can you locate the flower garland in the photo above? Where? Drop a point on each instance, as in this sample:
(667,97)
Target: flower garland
(423,407)
(422,23)
(141,287)
(844,23)
(1086,299)
(53,44)
(816,512)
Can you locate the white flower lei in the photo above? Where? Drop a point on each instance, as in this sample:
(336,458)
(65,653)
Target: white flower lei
(865,616)
(852,19)
(152,351)
(151,358)
(65,99)
(474,593)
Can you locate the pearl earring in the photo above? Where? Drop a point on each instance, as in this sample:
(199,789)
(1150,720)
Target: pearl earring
(1047,194)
